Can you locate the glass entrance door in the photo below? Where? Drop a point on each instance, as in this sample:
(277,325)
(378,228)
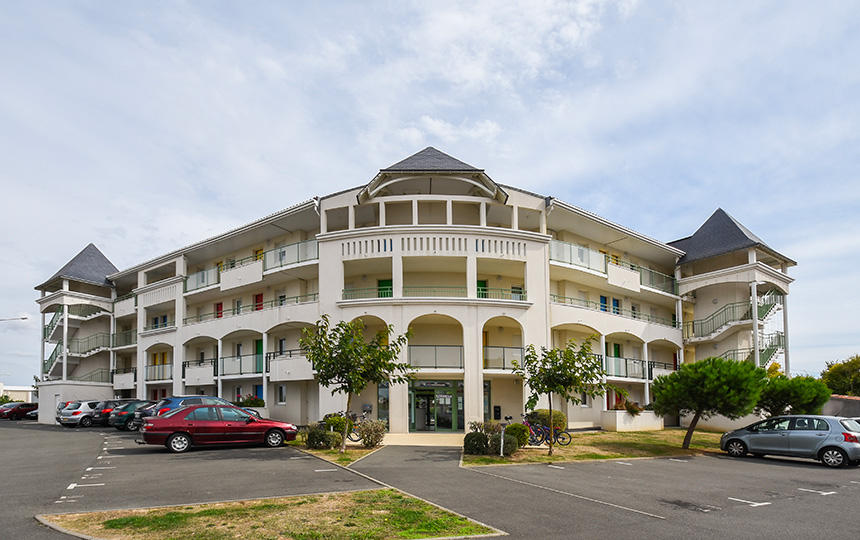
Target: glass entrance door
(424,415)
(444,411)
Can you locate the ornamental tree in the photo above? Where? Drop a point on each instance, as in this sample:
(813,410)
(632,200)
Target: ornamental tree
(569,373)
(799,395)
(843,377)
(346,362)
(709,387)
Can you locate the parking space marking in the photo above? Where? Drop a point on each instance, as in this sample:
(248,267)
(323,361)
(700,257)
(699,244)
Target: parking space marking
(750,503)
(555,467)
(574,495)
(74,485)
(302,457)
(98,468)
(325,470)
(623,463)
(816,491)
(679,460)
(854,482)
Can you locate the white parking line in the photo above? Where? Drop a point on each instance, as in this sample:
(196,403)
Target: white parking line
(555,467)
(574,495)
(854,482)
(679,460)
(624,463)
(98,468)
(107,457)
(751,503)
(816,491)
(302,457)
(325,470)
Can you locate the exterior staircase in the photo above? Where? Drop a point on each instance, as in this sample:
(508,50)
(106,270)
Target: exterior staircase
(717,323)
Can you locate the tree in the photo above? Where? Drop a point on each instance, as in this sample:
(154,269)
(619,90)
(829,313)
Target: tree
(4,399)
(800,395)
(709,387)
(569,373)
(843,376)
(346,362)
(774,370)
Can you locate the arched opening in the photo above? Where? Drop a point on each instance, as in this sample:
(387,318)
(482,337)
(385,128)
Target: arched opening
(502,342)
(563,334)
(200,366)
(242,362)
(373,325)
(158,370)
(436,342)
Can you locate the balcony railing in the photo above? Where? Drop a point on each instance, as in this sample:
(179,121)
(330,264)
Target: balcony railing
(120,371)
(291,254)
(207,362)
(102,375)
(203,278)
(734,312)
(49,362)
(160,324)
(58,315)
(287,353)
(159,372)
(242,365)
(434,292)
(436,356)
(574,254)
(606,308)
(85,310)
(501,294)
(585,257)
(625,367)
(502,357)
(125,338)
(126,297)
(89,344)
(367,292)
(250,308)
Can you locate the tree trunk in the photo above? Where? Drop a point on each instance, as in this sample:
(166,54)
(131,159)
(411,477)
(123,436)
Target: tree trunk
(346,424)
(688,437)
(551,426)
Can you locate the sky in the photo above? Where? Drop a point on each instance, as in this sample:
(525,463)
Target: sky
(143,127)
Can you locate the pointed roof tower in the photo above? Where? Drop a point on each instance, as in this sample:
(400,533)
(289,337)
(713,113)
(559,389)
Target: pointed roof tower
(719,235)
(430,160)
(88,266)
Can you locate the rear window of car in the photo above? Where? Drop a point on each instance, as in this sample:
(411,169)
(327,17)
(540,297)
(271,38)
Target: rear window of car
(73,406)
(851,425)
(192,401)
(161,404)
(173,412)
(214,401)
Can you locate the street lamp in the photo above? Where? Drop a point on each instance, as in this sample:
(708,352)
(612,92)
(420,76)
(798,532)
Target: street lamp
(21,318)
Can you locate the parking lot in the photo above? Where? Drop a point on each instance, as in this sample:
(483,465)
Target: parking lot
(51,469)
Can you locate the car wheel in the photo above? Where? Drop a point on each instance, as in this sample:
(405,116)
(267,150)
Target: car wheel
(274,438)
(86,421)
(736,448)
(178,443)
(131,425)
(833,457)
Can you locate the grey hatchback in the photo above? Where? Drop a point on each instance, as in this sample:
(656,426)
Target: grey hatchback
(832,440)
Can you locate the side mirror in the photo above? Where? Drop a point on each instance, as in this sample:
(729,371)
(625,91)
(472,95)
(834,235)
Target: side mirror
(249,420)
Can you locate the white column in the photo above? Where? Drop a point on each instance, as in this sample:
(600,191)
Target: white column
(323,222)
(449,212)
(679,316)
(397,273)
(382,214)
(265,379)
(647,374)
(112,334)
(415,211)
(603,356)
(543,222)
(483,214)
(785,332)
(398,394)
(472,276)
(515,217)
(754,303)
(42,345)
(218,366)
(473,374)
(178,360)
(351,217)
(65,337)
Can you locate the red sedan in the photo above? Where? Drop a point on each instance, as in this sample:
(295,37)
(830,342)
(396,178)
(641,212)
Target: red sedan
(182,428)
(17,411)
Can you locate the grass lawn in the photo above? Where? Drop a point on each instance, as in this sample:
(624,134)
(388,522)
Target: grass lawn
(375,514)
(610,445)
(353,452)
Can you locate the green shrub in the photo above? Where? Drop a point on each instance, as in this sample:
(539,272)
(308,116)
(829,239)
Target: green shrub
(302,435)
(475,443)
(317,439)
(489,427)
(511,444)
(335,422)
(371,432)
(519,432)
(633,408)
(540,417)
(333,439)
(249,401)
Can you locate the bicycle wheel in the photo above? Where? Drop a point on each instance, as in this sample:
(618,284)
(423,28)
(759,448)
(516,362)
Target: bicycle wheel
(536,437)
(563,438)
(353,436)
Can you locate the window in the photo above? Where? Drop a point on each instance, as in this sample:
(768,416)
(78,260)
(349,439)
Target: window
(213,401)
(238,393)
(282,394)
(238,349)
(774,424)
(202,356)
(810,424)
(164,321)
(634,310)
(219,310)
(155,322)
(482,288)
(203,413)
(583,400)
(382,402)
(516,292)
(231,263)
(604,301)
(258,254)
(258,302)
(192,401)
(282,345)
(237,306)
(282,299)
(616,306)
(229,414)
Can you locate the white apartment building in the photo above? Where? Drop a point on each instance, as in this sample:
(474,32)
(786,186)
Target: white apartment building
(476,270)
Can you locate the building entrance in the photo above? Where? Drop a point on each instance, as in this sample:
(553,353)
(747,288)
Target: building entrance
(436,406)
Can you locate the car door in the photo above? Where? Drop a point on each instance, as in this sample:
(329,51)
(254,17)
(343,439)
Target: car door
(205,426)
(238,426)
(806,435)
(770,437)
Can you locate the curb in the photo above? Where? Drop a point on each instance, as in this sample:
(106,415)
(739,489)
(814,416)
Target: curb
(42,518)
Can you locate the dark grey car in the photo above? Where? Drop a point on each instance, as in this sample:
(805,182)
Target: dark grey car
(832,440)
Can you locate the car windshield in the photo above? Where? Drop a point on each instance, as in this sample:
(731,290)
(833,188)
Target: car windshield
(851,425)
(174,412)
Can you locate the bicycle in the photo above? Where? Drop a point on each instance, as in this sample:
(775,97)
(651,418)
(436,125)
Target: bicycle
(559,436)
(353,434)
(536,433)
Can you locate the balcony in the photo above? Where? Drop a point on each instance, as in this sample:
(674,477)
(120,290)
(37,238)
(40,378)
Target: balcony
(436,356)
(201,279)
(251,308)
(124,339)
(434,292)
(502,357)
(502,294)
(634,368)
(101,375)
(158,372)
(161,325)
(90,344)
(246,364)
(289,365)
(124,378)
(124,305)
(367,292)
(200,372)
(606,308)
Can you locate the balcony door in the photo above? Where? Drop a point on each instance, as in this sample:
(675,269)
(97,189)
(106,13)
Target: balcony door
(384,288)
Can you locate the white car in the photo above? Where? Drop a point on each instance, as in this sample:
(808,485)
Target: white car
(79,413)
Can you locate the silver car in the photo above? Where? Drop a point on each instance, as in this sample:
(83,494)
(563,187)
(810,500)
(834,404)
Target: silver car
(832,440)
(79,413)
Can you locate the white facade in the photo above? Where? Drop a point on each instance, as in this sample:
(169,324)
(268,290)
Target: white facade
(475,270)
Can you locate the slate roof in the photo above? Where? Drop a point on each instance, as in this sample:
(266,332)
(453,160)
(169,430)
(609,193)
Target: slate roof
(430,159)
(88,266)
(719,235)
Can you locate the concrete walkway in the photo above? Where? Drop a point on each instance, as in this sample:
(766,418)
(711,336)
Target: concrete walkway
(424,439)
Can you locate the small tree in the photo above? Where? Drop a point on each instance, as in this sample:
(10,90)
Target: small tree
(569,373)
(800,395)
(774,370)
(347,363)
(709,387)
(843,377)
